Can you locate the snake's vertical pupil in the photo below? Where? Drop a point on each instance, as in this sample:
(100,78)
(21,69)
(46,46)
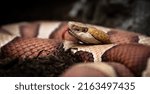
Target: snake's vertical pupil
(85,29)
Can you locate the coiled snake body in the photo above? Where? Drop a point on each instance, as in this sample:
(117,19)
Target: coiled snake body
(114,52)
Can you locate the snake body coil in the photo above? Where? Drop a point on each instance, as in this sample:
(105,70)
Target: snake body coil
(107,45)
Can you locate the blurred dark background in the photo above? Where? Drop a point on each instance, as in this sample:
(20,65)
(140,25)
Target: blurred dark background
(131,15)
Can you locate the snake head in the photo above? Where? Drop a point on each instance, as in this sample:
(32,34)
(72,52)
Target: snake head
(88,34)
(80,31)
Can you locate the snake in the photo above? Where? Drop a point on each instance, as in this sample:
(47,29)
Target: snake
(104,51)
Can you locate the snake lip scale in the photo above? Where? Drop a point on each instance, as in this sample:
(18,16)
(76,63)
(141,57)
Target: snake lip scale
(91,44)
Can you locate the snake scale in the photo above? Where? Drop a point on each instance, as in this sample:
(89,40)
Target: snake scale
(104,51)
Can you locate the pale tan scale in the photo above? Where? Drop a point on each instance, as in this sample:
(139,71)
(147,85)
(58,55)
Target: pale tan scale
(146,72)
(13,29)
(5,38)
(144,40)
(8,33)
(46,29)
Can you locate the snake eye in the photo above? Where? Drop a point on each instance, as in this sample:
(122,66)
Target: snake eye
(85,29)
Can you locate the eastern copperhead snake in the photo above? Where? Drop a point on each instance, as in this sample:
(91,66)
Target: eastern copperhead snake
(114,52)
